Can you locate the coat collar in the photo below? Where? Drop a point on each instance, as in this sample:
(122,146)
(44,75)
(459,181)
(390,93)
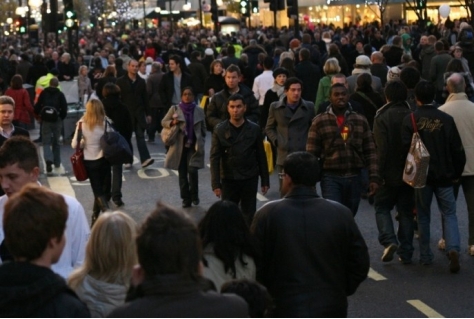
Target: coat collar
(457,97)
(302,191)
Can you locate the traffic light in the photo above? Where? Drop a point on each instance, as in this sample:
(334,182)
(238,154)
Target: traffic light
(245,7)
(280,5)
(23,25)
(255,6)
(70,15)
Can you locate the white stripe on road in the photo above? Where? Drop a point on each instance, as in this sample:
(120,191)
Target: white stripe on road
(262,198)
(375,275)
(425,309)
(61,185)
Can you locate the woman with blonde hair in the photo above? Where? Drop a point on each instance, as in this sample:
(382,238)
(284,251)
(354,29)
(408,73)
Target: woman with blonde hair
(90,129)
(330,68)
(103,279)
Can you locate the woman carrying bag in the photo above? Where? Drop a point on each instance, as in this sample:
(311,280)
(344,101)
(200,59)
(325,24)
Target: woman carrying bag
(186,152)
(98,169)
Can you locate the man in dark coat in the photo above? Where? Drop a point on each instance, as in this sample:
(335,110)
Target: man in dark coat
(313,254)
(134,96)
(167,282)
(217,110)
(378,67)
(238,159)
(393,56)
(309,74)
(441,138)
(34,222)
(393,191)
(173,83)
(157,107)
(199,74)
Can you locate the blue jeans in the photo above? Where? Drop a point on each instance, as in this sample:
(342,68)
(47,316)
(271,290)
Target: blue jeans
(50,132)
(447,206)
(401,197)
(342,189)
(467,183)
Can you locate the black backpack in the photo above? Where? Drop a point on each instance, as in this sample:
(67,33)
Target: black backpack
(49,112)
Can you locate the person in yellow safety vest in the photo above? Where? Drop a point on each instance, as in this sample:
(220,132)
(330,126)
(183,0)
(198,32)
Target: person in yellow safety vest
(43,82)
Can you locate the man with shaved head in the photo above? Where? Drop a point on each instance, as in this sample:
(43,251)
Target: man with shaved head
(378,67)
(462,110)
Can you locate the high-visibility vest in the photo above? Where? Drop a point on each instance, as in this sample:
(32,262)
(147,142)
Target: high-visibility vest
(43,83)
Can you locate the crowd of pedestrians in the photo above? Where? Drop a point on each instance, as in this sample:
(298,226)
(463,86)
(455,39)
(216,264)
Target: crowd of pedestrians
(338,106)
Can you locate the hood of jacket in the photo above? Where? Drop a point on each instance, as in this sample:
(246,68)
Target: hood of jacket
(360,71)
(50,89)
(25,288)
(428,49)
(403,104)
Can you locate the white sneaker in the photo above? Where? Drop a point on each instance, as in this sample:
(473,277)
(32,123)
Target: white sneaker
(442,244)
(470,250)
(388,252)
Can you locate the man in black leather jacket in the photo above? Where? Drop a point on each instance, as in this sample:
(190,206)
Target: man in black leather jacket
(238,159)
(313,254)
(217,109)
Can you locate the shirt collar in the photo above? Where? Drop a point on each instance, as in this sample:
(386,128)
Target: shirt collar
(5,134)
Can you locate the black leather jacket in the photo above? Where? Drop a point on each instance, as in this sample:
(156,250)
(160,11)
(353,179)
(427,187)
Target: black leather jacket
(217,110)
(240,158)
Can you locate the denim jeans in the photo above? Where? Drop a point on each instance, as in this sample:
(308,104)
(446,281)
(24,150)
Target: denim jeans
(344,190)
(401,197)
(140,137)
(467,183)
(188,186)
(447,206)
(157,115)
(99,176)
(51,132)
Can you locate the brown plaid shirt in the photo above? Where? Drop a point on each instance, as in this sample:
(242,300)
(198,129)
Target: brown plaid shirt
(356,152)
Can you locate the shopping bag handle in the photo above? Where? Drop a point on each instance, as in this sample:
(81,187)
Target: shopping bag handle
(415,128)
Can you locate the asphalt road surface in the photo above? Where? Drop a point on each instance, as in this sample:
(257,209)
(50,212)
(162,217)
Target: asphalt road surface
(392,289)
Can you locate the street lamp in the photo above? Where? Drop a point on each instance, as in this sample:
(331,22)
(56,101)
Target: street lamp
(187,6)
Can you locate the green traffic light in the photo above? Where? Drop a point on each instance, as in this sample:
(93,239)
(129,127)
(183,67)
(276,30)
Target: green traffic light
(69,14)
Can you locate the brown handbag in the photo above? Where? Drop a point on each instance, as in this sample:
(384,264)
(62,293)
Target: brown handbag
(77,159)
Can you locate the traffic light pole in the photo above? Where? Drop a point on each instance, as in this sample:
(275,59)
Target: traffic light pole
(275,14)
(297,22)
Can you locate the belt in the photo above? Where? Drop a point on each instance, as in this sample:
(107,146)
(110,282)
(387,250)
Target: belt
(342,172)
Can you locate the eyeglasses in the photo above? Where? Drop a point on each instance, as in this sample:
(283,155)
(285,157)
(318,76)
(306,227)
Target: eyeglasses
(281,175)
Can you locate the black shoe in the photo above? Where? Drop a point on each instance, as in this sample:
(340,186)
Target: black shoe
(186,203)
(103,203)
(196,201)
(118,202)
(453,261)
(49,166)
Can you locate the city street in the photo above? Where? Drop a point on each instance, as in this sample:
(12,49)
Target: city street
(392,289)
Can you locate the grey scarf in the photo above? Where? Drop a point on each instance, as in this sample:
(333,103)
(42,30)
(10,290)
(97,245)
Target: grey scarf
(279,90)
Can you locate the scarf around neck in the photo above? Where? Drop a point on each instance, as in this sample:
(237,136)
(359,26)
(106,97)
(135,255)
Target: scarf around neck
(279,90)
(188,111)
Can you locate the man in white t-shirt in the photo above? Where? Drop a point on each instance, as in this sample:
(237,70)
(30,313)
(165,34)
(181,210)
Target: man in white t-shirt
(19,166)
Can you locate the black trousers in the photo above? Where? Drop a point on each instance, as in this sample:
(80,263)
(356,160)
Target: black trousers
(100,175)
(157,114)
(243,192)
(188,177)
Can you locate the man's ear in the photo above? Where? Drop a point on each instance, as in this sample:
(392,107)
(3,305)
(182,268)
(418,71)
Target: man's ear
(35,172)
(138,275)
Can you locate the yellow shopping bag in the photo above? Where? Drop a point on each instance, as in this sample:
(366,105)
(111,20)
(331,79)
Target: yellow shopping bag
(203,101)
(268,152)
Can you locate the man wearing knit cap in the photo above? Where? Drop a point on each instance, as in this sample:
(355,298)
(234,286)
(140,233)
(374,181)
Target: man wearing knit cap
(362,65)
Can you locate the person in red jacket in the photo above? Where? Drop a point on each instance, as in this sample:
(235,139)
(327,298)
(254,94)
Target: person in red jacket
(23,108)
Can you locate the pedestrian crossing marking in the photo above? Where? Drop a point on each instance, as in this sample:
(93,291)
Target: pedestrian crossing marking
(262,198)
(375,275)
(425,309)
(61,185)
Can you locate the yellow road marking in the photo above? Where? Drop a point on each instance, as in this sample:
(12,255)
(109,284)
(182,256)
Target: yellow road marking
(425,309)
(375,275)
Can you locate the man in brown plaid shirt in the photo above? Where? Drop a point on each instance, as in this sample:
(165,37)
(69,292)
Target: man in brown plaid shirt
(344,140)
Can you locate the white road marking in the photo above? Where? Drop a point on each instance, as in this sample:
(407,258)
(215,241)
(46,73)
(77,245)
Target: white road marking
(61,185)
(375,275)
(262,198)
(425,309)
(162,171)
(175,172)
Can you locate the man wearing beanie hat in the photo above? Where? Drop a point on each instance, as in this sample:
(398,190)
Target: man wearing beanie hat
(289,120)
(362,65)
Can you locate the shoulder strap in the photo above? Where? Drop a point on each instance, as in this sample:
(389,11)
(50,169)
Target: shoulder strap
(79,136)
(413,122)
(367,99)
